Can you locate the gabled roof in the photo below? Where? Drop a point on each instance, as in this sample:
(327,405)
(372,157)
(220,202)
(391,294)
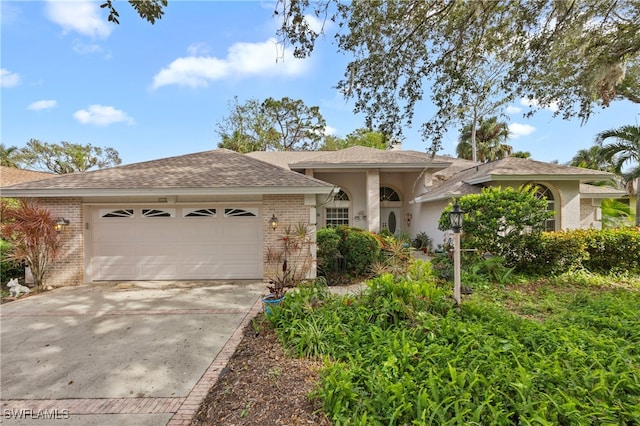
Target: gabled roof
(597,191)
(12,175)
(211,172)
(356,157)
(513,168)
(468,180)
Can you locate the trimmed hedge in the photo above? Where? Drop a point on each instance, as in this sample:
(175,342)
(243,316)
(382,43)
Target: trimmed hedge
(598,251)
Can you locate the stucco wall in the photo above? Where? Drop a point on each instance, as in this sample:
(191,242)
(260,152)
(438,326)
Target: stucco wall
(590,213)
(68,268)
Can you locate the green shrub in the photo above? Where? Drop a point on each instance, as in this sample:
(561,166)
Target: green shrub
(357,248)
(498,217)
(611,250)
(328,242)
(8,269)
(360,250)
(600,251)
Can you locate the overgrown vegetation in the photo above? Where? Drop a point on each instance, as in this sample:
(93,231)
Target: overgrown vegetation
(561,352)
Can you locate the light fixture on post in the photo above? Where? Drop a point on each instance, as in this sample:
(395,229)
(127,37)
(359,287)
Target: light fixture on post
(456,217)
(60,224)
(274,222)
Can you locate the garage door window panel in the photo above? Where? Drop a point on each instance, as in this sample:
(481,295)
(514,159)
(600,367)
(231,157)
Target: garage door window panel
(152,213)
(118,213)
(199,213)
(240,212)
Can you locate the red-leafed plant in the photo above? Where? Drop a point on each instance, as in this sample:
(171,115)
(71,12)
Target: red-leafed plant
(30,229)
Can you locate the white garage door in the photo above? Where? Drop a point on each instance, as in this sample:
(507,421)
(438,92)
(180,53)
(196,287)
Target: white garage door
(158,243)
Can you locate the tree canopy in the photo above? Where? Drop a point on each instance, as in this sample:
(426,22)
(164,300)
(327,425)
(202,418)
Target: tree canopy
(65,157)
(149,10)
(573,55)
(272,125)
(359,137)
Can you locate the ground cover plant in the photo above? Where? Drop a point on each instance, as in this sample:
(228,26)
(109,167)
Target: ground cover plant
(561,351)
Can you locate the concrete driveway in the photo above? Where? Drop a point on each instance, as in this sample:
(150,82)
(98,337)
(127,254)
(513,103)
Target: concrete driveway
(128,353)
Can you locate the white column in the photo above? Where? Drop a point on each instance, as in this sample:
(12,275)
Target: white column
(373,200)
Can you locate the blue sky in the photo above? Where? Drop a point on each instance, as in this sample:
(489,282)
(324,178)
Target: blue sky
(153,91)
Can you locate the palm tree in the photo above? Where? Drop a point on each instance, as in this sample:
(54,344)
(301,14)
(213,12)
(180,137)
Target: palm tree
(490,138)
(615,213)
(622,152)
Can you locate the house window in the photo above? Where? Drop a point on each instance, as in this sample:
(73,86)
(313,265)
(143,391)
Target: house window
(158,212)
(199,212)
(388,194)
(337,216)
(337,211)
(544,192)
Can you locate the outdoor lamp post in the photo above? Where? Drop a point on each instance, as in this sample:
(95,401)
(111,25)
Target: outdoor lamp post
(456,217)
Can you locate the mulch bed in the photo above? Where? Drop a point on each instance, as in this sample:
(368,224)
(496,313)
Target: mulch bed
(263,386)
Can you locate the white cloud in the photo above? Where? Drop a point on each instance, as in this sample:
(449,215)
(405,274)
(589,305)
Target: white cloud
(101,115)
(42,104)
(553,106)
(516,130)
(243,59)
(512,109)
(198,49)
(8,78)
(328,130)
(86,48)
(81,16)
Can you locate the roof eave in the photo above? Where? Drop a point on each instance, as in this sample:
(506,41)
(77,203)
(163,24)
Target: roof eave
(420,166)
(71,193)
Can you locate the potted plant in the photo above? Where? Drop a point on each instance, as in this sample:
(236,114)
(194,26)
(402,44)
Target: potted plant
(289,265)
(422,242)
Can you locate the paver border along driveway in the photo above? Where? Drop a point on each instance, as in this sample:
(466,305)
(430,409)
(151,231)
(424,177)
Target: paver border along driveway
(130,353)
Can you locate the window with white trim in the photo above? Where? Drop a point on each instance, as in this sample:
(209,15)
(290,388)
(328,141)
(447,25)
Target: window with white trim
(544,192)
(337,212)
(336,216)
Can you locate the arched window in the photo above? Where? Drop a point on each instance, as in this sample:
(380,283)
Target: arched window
(547,194)
(388,194)
(337,212)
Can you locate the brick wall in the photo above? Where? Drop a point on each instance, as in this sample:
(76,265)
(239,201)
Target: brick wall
(290,210)
(68,267)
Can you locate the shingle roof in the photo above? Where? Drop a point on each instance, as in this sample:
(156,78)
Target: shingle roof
(218,171)
(353,157)
(11,175)
(596,191)
(514,167)
(461,180)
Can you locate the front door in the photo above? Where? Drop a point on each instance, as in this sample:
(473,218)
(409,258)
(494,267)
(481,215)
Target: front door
(390,219)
